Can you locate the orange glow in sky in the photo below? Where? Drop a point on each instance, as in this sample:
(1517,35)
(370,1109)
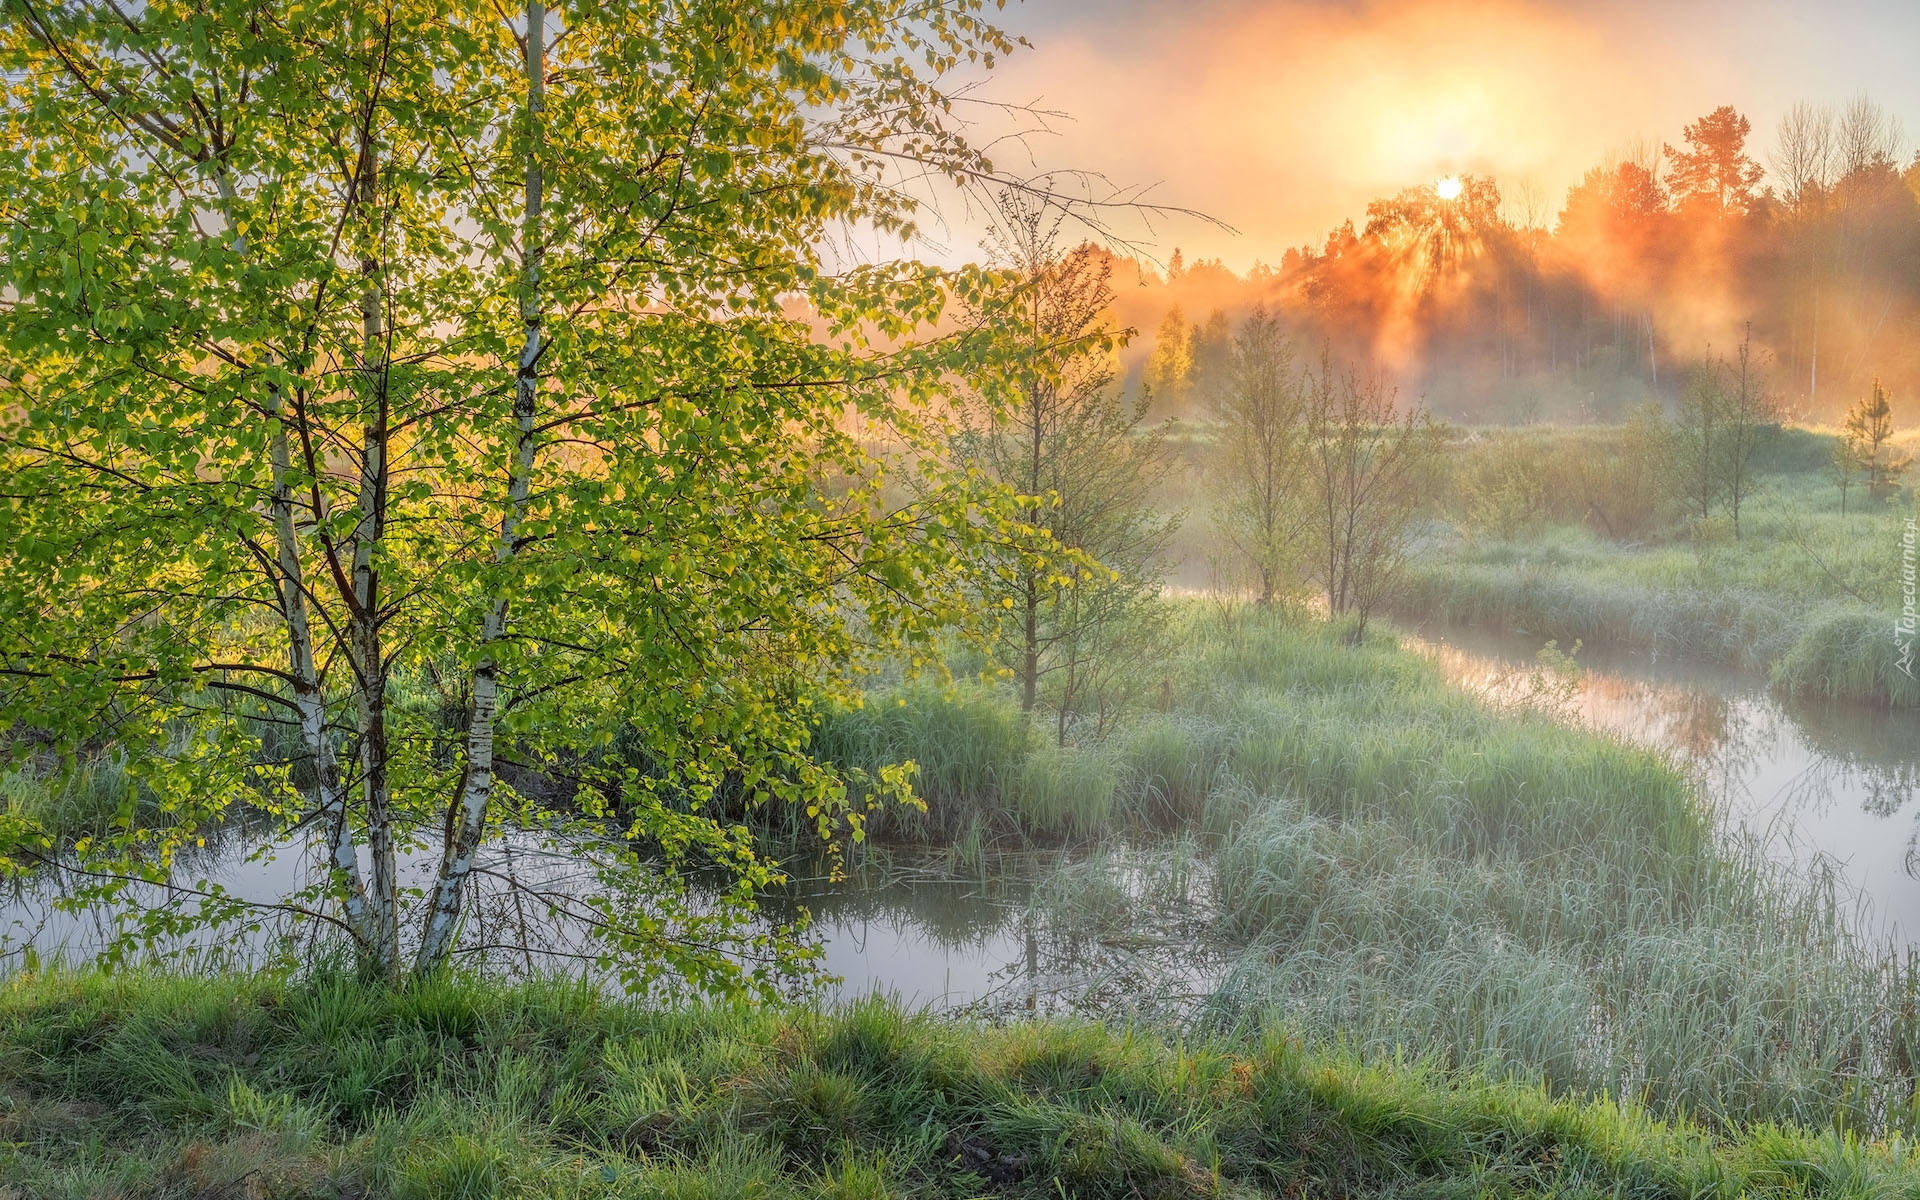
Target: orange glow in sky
(1283,118)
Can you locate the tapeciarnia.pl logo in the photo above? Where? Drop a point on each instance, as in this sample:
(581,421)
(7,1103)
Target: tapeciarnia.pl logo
(1904,628)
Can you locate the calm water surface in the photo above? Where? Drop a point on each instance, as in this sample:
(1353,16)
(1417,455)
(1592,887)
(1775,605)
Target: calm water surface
(1808,778)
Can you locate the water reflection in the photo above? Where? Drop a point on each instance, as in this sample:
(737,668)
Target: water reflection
(1806,777)
(1118,931)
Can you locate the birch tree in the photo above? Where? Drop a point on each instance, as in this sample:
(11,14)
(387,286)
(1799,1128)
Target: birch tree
(417,385)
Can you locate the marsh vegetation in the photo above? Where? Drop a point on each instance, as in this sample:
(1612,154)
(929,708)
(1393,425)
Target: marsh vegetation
(530,666)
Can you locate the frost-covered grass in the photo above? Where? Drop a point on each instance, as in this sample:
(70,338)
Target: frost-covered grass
(1396,864)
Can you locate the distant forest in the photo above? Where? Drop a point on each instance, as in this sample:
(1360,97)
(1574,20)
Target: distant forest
(1495,307)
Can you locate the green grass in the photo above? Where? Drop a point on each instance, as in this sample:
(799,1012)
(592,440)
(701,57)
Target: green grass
(1797,595)
(1395,863)
(93,799)
(148,1086)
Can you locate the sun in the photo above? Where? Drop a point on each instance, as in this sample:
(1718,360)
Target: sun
(1448,188)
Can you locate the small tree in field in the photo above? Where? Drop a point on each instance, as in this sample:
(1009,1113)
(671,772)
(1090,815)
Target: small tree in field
(1367,469)
(1844,465)
(1055,429)
(1868,434)
(400,395)
(1255,478)
(1700,438)
(1752,413)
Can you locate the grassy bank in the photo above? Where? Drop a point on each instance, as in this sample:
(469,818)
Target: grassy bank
(1395,863)
(1807,593)
(1387,866)
(156,1087)
(1267,704)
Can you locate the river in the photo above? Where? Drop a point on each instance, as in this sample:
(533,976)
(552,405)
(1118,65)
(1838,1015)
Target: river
(1052,933)
(1805,777)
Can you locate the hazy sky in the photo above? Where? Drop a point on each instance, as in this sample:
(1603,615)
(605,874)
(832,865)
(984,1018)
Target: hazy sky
(1284,117)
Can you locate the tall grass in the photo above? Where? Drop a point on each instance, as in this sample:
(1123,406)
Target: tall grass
(1590,602)
(1851,656)
(92,799)
(1797,595)
(1725,991)
(1395,865)
(458,1088)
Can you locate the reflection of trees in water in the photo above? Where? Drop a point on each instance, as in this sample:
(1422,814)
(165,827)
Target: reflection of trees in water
(1119,934)
(1872,750)
(1726,730)
(1118,930)
(1864,754)
(1844,753)
(1693,722)
(949,911)
(1883,789)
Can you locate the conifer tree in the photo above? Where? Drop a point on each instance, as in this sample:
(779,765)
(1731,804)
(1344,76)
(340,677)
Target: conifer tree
(1868,434)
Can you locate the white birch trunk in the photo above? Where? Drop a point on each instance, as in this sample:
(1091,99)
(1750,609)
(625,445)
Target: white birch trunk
(370,677)
(310,705)
(466,824)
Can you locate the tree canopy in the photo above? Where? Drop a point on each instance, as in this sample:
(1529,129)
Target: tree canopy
(407,403)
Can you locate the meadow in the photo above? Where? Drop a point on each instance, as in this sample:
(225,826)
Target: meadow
(1806,592)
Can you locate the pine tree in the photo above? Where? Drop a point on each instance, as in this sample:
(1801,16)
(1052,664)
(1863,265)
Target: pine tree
(1715,171)
(1211,349)
(1869,433)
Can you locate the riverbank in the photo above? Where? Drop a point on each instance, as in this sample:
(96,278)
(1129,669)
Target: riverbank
(1365,858)
(1807,594)
(147,1086)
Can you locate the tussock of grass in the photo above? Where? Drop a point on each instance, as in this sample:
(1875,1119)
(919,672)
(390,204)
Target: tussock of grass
(969,746)
(1850,656)
(164,1087)
(1745,628)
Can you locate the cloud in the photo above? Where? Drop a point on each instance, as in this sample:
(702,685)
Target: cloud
(1285,117)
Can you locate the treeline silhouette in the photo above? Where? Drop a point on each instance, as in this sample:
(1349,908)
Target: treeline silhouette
(1494,306)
